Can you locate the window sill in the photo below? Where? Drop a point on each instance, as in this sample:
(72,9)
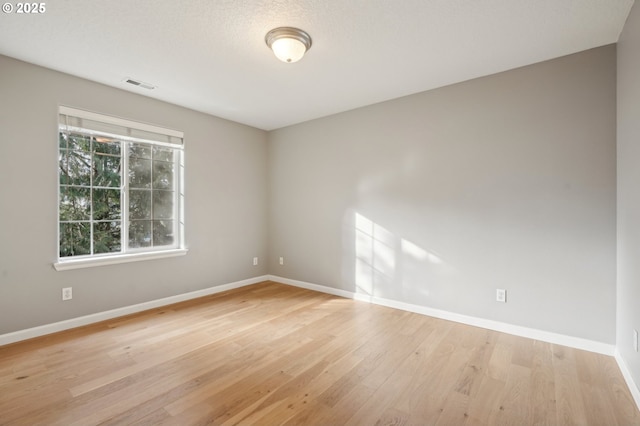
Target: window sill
(63,265)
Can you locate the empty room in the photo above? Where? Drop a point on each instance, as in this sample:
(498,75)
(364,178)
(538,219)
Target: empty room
(320,212)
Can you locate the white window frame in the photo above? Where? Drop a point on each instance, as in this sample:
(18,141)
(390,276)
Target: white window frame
(129,131)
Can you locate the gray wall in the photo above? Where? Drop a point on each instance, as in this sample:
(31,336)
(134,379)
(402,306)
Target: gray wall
(629,191)
(225,201)
(439,198)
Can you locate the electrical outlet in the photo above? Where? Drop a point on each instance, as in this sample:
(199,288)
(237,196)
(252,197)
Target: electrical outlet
(281,260)
(255,261)
(67,293)
(635,340)
(501,295)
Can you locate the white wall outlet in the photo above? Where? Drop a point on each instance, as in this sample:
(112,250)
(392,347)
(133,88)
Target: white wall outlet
(635,340)
(501,295)
(281,260)
(67,293)
(255,261)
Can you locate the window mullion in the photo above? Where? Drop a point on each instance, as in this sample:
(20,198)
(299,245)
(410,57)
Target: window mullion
(181,242)
(153,224)
(124,197)
(91,191)
(176,198)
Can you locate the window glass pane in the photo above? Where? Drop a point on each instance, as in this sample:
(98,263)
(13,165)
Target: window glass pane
(162,204)
(75,239)
(106,169)
(75,167)
(75,203)
(162,153)
(162,175)
(139,173)
(139,150)
(63,167)
(106,237)
(106,204)
(62,140)
(79,142)
(105,145)
(140,233)
(162,232)
(140,204)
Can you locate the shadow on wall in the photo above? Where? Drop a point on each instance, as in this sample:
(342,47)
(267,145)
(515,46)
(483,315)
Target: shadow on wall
(389,266)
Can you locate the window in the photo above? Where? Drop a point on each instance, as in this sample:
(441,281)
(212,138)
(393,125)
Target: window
(120,190)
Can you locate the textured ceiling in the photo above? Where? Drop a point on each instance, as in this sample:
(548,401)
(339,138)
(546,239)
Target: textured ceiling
(210,55)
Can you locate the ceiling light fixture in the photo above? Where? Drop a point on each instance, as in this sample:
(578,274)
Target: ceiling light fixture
(288,44)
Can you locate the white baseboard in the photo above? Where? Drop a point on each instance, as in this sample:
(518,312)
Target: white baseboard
(531,333)
(633,387)
(55,327)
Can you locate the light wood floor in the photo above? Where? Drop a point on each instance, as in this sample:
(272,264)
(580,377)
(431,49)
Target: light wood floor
(272,354)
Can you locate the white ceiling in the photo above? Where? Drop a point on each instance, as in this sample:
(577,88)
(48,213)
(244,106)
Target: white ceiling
(210,55)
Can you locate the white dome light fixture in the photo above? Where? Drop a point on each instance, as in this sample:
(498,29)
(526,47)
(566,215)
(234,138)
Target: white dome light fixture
(288,44)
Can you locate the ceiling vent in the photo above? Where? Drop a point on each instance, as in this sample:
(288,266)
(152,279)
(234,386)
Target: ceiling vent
(140,83)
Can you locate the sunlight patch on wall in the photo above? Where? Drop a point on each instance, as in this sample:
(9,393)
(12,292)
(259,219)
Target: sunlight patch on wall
(375,255)
(418,253)
(384,262)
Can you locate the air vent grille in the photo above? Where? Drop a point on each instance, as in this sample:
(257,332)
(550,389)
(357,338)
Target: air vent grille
(140,83)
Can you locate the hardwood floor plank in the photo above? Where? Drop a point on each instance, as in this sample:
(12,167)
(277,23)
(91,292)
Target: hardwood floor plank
(498,366)
(429,386)
(485,407)
(570,407)
(196,415)
(515,404)
(543,392)
(338,414)
(270,354)
(455,410)
(392,417)
(376,405)
(470,380)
